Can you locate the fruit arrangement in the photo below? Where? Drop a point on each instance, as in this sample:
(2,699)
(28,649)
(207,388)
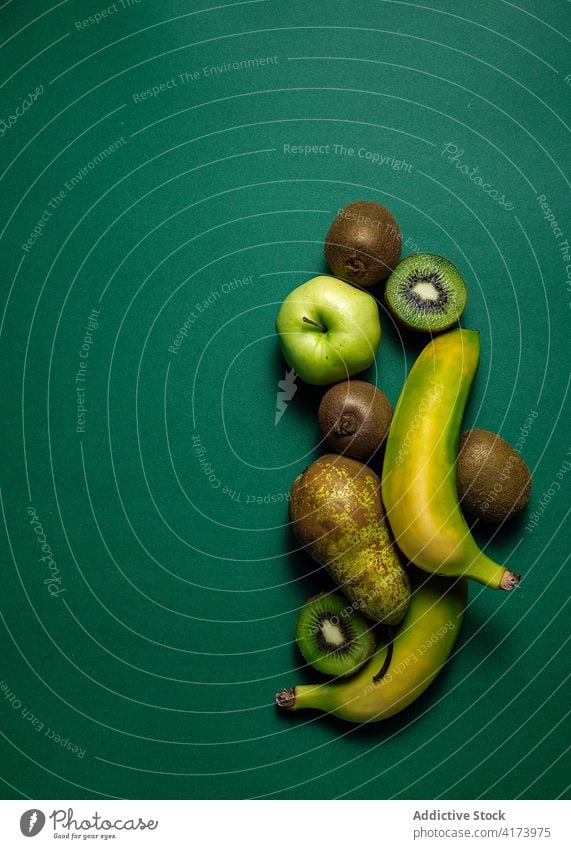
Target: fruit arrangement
(397,546)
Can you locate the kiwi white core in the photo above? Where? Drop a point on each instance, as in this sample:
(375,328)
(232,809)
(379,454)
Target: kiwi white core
(426,290)
(332,633)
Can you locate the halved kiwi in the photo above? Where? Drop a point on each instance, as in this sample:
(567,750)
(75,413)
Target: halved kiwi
(354,417)
(332,636)
(426,292)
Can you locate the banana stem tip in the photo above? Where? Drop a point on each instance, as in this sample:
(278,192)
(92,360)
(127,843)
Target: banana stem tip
(285,699)
(510,580)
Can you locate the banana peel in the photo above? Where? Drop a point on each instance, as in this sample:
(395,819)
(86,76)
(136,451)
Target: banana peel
(421,647)
(419,469)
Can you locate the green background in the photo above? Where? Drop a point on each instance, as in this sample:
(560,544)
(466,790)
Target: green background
(162,656)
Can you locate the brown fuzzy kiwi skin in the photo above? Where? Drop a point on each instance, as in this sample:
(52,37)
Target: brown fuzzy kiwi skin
(354,417)
(493,481)
(363,244)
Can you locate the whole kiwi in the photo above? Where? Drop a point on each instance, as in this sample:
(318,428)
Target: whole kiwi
(493,481)
(354,417)
(363,244)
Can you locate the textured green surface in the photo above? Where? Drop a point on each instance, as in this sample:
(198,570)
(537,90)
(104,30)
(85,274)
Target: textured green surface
(161,658)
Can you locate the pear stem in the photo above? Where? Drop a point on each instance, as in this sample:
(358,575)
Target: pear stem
(388,657)
(315,324)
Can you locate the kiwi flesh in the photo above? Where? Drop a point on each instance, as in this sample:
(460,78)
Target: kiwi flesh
(354,417)
(493,481)
(426,292)
(333,636)
(363,244)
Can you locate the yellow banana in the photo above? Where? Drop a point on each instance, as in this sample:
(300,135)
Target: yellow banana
(421,647)
(419,471)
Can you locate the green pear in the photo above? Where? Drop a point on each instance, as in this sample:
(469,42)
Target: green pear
(338,517)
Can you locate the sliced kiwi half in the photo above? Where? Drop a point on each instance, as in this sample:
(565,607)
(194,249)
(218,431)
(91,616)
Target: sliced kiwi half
(426,292)
(332,636)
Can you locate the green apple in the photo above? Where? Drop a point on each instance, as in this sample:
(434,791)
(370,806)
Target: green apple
(328,330)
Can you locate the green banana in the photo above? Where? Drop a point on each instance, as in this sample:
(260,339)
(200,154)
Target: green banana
(419,470)
(422,645)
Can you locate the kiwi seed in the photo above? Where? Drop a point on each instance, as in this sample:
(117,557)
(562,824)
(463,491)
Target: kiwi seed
(332,636)
(426,292)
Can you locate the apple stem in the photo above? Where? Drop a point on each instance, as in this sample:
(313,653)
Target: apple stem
(315,324)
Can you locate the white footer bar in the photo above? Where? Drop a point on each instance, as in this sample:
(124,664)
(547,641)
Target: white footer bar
(295,824)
